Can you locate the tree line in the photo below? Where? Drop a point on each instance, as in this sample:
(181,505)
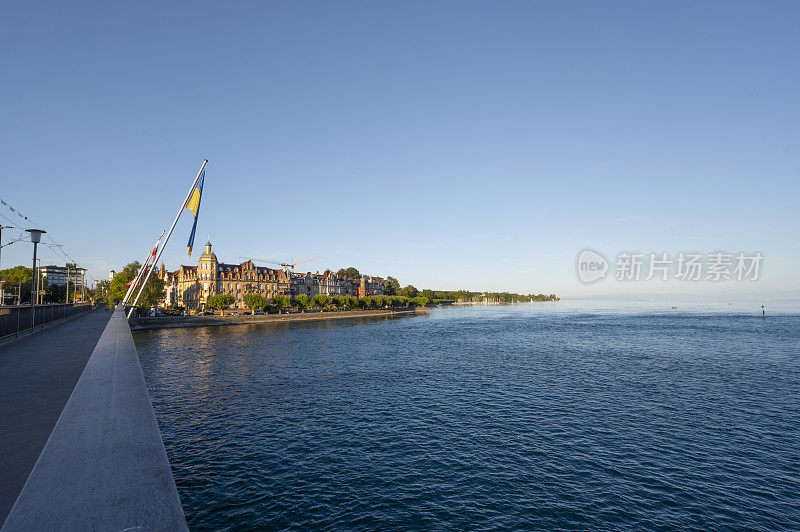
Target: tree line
(392,287)
(474,297)
(112,292)
(320,301)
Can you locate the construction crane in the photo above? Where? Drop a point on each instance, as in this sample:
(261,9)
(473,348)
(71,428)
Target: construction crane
(288,265)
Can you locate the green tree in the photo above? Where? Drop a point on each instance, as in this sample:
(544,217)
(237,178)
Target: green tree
(418,301)
(321,300)
(117,288)
(16,275)
(59,292)
(220,302)
(302,302)
(410,291)
(348,273)
(399,301)
(280,301)
(391,287)
(100,290)
(151,295)
(254,301)
(339,302)
(17,280)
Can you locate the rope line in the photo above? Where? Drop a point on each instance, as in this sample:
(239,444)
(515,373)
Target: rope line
(53,244)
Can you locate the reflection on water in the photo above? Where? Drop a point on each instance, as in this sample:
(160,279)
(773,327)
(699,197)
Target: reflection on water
(545,416)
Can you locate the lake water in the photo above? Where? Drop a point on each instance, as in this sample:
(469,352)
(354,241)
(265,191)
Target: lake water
(569,415)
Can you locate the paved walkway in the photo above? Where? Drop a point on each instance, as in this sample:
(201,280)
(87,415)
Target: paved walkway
(37,376)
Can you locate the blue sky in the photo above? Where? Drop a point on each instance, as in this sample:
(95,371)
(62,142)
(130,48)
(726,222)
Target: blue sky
(475,145)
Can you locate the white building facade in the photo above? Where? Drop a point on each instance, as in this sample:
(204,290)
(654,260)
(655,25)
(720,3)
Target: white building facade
(60,275)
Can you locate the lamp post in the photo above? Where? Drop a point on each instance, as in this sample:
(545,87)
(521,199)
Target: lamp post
(36,237)
(39,281)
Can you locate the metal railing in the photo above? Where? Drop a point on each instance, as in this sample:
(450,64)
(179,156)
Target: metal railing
(21,319)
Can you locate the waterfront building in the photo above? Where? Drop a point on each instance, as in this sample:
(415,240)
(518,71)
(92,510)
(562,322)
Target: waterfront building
(329,284)
(368,286)
(311,284)
(191,286)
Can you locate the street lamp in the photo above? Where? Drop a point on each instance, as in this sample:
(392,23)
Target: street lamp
(39,281)
(36,237)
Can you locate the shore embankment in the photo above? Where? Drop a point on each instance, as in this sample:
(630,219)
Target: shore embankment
(173,322)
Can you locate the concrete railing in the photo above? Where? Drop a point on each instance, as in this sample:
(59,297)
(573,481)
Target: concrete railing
(104,466)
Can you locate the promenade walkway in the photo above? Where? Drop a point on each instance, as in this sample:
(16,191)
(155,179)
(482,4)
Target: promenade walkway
(37,376)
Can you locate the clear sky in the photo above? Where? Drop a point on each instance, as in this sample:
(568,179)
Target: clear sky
(477,145)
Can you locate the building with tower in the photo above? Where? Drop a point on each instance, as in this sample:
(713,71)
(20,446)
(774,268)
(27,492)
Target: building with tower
(191,286)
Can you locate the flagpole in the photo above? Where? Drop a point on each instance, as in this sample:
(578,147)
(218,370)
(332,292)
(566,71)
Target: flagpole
(160,251)
(138,277)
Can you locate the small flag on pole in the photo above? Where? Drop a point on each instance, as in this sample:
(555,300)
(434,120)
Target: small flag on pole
(193,204)
(155,248)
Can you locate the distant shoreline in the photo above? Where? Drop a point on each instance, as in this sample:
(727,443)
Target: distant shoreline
(180,322)
(496,303)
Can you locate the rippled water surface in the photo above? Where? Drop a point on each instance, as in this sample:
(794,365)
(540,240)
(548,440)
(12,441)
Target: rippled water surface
(484,418)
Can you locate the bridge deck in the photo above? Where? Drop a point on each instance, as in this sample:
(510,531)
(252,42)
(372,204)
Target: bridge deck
(104,466)
(37,376)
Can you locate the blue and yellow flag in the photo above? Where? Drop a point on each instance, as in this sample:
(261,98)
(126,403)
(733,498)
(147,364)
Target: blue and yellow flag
(194,205)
